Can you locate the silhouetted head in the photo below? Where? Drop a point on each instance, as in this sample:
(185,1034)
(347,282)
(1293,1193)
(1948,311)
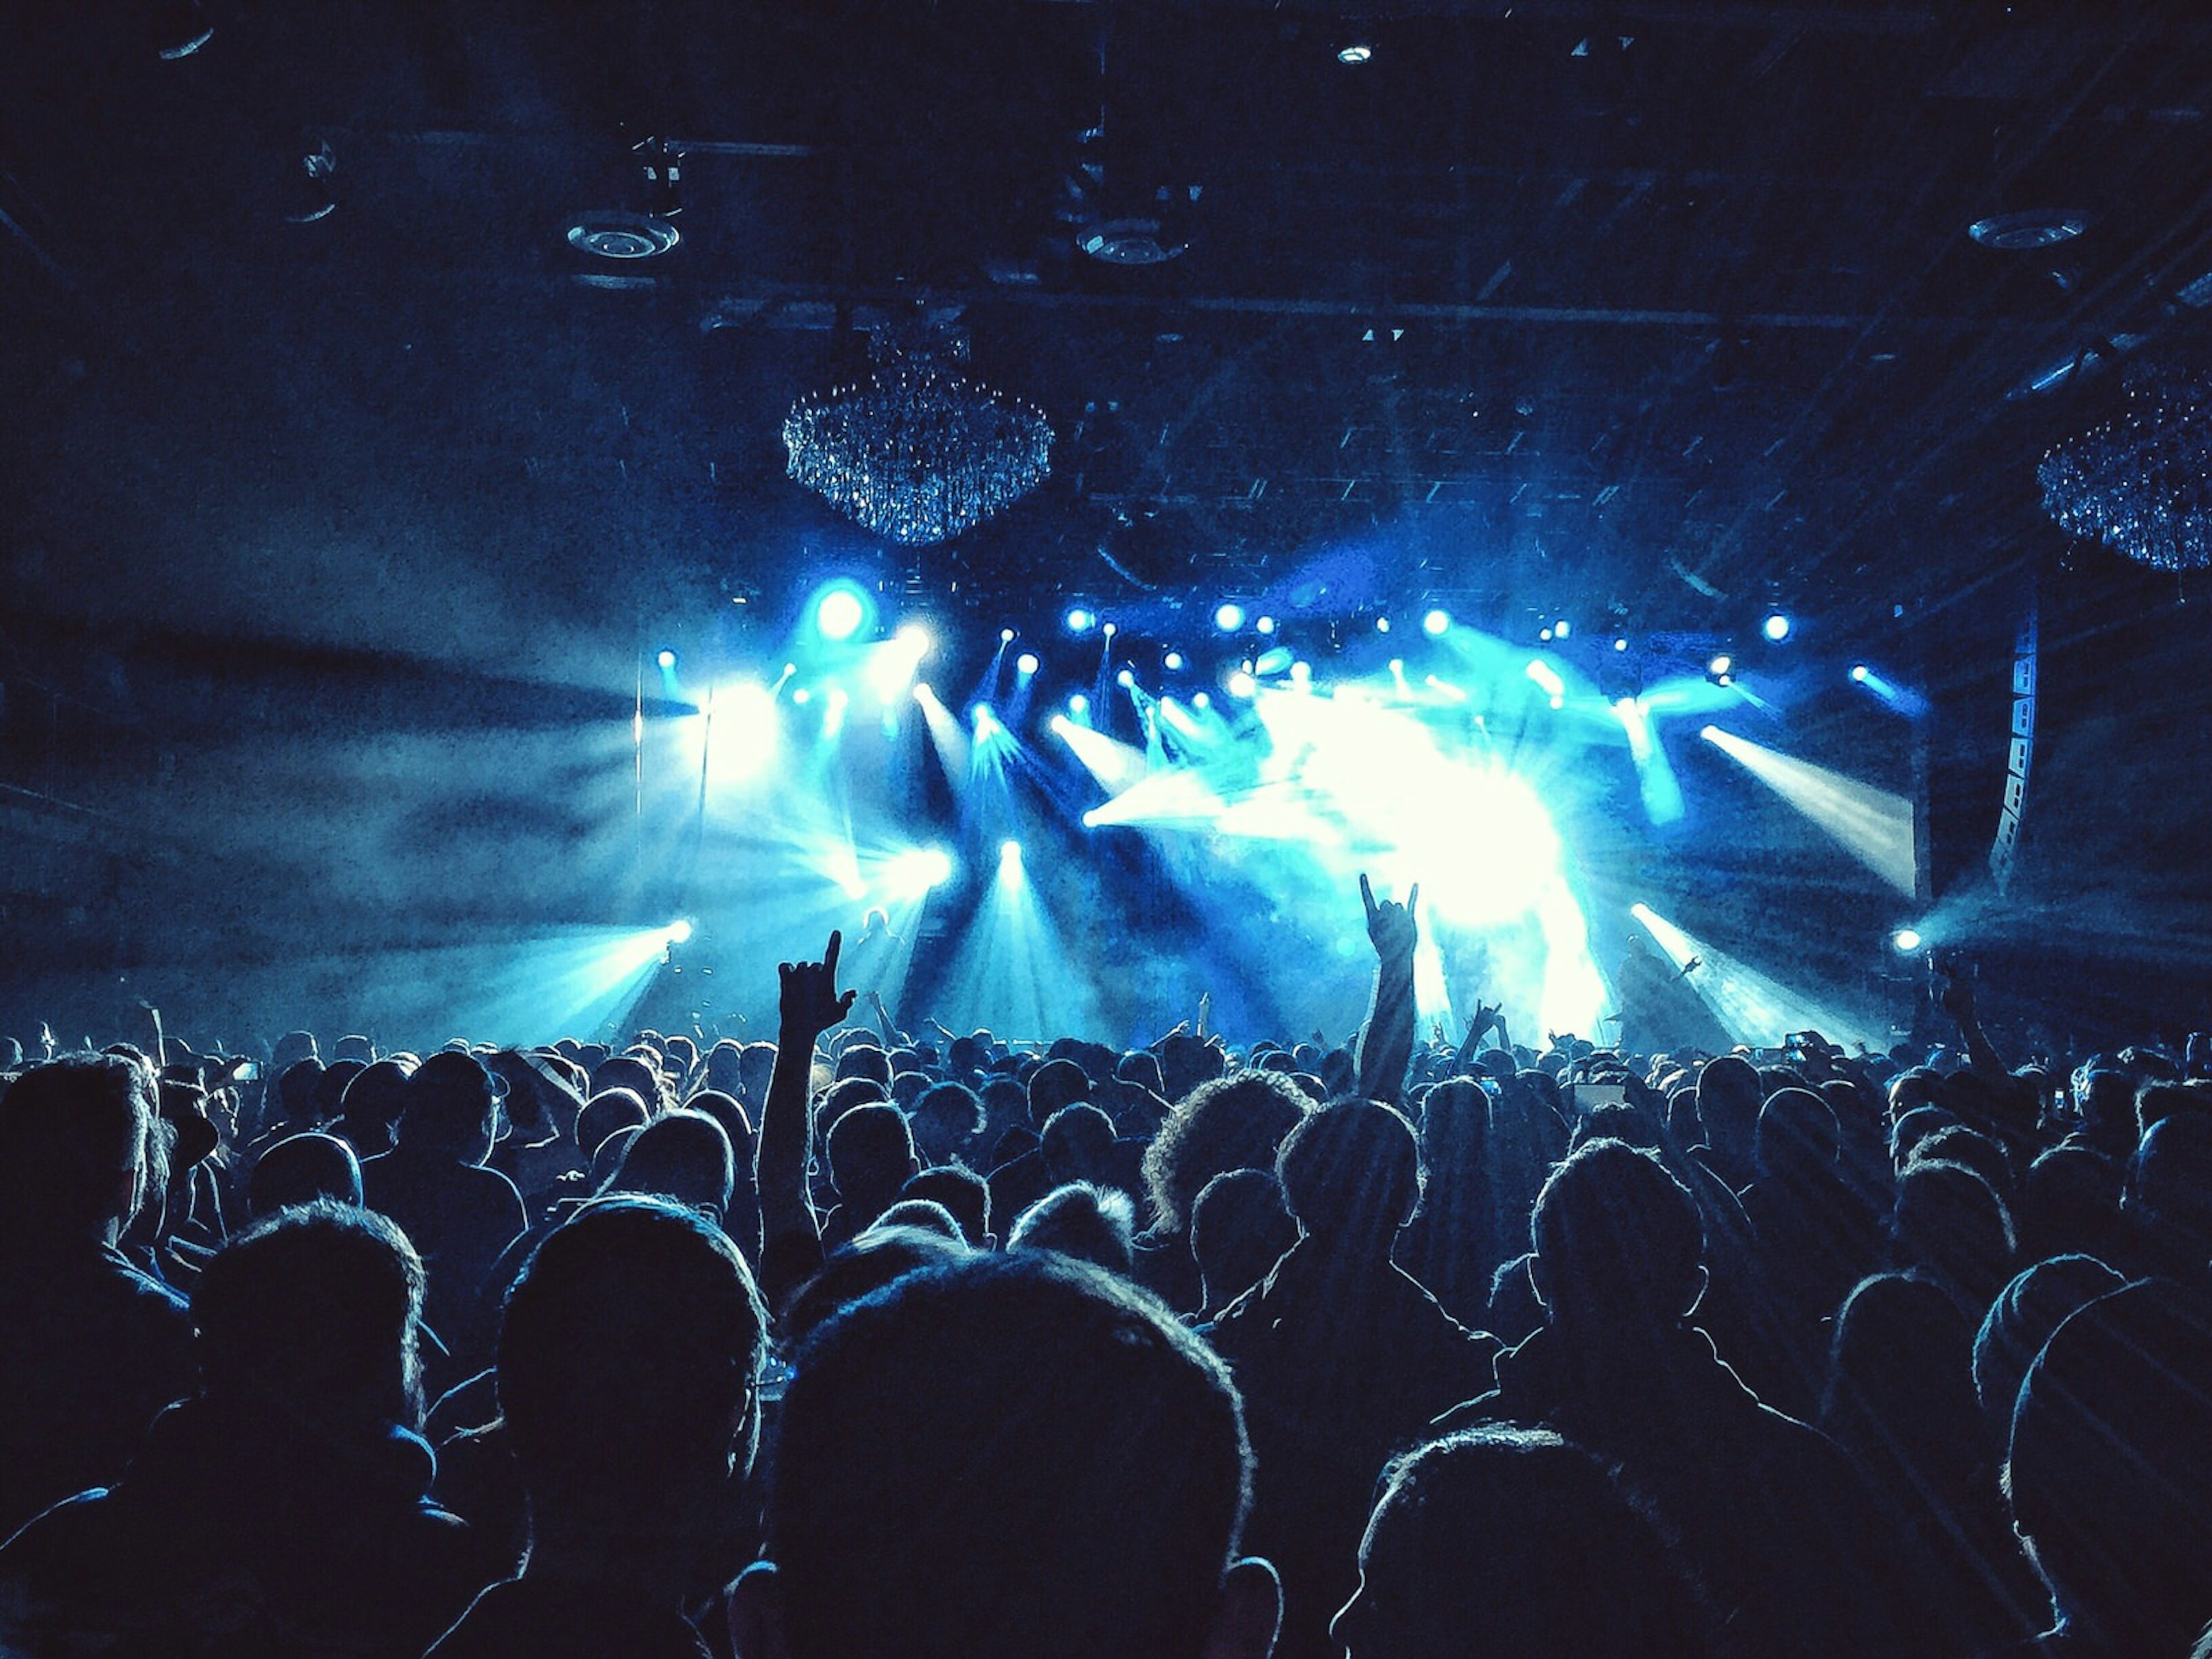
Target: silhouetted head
(1077,1144)
(1098,1225)
(947,1119)
(1234,1122)
(683,1156)
(756,1065)
(1900,1384)
(866,1060)
(1511,1540)
(301,1169)
(1797,1137)
(963,1192)
(604,1113)
(871,1154)
(1239,1229)
(296,1097)
(1055,1085)
(306,1318)
(1955,1143)
(375,1100)
(1351,1174)
(2111,1471)
(2170,1187)
(75,1137)
(2021,1320)
(628,1355)
(449,1110)
(1140,1068)
(629,1072)
(1949,1221)
(1729,1098)
(998,1457)
(1618,1242)
(876,1257)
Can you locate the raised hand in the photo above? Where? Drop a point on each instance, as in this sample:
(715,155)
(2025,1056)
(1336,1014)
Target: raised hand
(1485,1016)
(1390,925)
(808,999)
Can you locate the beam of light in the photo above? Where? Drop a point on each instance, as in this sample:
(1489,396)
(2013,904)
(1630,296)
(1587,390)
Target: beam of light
(1116,765)
(741,728)
(1273,660)
(950,738)
(910,874)
(680,931)
(1012,974)
(841,610)
(994,746)
(1242,684)
(1443,688)
(1655,777)
(1871,824)
(1547,677)
(583,982)
(892,665)
(833,711)
(1909,703)
(1752,1008)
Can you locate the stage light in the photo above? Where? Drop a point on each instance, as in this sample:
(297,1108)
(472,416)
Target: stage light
(1242,684)
(1549,677)
(1125,679)
(1558,702)
(1264,624)
(789,669)
(1775,627)
(1010,852)
(922,691)
(1172,661)
(982,718)
(1078,704)
(1109,629)
(1381,624)
(1905,941)
(1006,637)
(1619,643)
(1201,699)
(679,931)
(1437,623)
(1301,672)
(1727,679)
(1229,618)
(833,713)
(839,613)
(1872,824)
(666,658)
(1562,629)
(1354,53)
(802,696)
(1545,635)
(1079,620)
(1397,668)
(1026,664)
(1858,673)
(1720,665)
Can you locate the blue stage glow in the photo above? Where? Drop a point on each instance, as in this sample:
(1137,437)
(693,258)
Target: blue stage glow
(1026,664)
(679,931)
(1264,624)
(840,612)
(1437,623)
(666,658)
(1906,940)
(1720,665)
(1080,621)
(1078,704)
(1228,617)
(1125,679)
(1775,627)
(1172,661)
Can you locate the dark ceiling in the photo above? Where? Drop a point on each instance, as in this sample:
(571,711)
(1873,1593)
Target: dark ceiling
(1669,309)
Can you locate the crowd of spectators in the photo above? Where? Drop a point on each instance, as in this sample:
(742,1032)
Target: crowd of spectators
(871,1344)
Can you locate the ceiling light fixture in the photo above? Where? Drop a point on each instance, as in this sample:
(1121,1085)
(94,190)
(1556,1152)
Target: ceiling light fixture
(915,452)
(2024,233)
(621,234)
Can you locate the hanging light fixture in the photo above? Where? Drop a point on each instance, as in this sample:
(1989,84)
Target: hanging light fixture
(916,451)
(2140,483)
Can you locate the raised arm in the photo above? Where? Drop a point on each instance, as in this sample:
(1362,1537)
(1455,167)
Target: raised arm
(1386,1040)
(1485,1016)
(808,1003)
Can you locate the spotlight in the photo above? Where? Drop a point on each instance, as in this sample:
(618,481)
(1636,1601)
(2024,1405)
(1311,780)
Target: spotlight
(1355,52)
(1266,624)
(1242,684)
(922,694)
(1381,624)
(1010,852)
(1201,699)
(1301,672)
(1545,635)
(1858,673)
(1558,702)
(1007,635)
(915,638)
(839,613)
(1080,621)
(1125,679)
(679,931)
(1709,733)
(1172,661)
(1229,618)
(1720,665)
(802,696)
(1619,644)
(1078,704)
(1435,623)
(1562,629)
(1397,668)
(1775,627)
(1905,941)
(1108,629)
(1026,664)
(666,658)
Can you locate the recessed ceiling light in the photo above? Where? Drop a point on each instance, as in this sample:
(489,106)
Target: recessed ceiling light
(1354,52)
(622,235)
(2019,232)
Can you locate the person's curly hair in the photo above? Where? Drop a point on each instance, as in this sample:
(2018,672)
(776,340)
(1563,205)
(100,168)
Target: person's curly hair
(1234,1122)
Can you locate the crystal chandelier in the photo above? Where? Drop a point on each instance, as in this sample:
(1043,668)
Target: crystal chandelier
(914,452)
(2142,482)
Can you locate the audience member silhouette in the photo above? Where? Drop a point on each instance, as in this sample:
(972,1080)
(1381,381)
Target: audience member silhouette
(1239,1229)
(95,1348)
(1512,1541)
(281,1510)
(301,1169)
(1233,1122)
(1001,1456)
(629,1355)
(1092,1224)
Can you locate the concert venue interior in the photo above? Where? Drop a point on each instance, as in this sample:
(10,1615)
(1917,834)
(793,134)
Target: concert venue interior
(519,518)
